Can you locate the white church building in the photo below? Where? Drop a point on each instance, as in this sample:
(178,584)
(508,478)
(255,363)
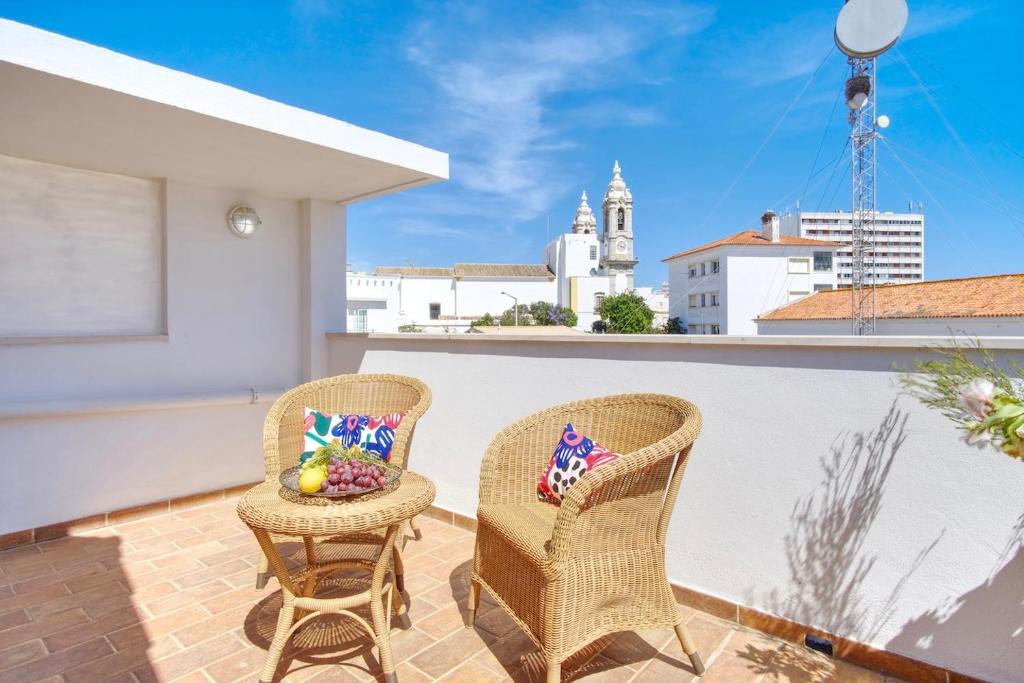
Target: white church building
(580,268)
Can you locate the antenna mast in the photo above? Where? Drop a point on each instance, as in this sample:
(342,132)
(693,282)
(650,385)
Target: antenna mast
(864,30)
(862,157)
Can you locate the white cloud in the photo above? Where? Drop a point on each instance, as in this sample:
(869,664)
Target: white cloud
(495,90)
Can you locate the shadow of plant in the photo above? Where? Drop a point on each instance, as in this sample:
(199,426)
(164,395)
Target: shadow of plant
(825,555)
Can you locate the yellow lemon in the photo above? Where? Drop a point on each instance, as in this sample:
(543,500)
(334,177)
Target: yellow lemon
(310,480)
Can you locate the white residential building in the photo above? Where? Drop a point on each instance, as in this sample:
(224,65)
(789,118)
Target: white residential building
(988,306)
(723,286)
(897,255)
(580,268)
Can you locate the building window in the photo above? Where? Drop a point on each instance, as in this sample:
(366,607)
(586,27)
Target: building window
(823,260)
(435,311)
(693,301)
(797,294)
(714,266)
(714,299)
(703,269)
(823,288)
(715,329)
(593,253)
(360,322)
(622,219)
(693,271)
(703,300)
(598,300)
(799,265)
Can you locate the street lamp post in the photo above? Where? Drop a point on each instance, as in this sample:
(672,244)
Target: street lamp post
(515,306)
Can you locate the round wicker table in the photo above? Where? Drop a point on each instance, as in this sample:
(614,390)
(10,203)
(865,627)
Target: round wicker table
(269,508)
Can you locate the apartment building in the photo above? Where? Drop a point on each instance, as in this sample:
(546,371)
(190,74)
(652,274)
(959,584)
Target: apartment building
(897,254)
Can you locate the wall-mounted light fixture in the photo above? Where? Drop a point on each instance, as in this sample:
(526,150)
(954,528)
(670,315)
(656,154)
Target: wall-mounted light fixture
(243,221)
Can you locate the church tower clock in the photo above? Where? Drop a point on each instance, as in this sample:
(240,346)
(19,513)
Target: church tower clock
(617,240)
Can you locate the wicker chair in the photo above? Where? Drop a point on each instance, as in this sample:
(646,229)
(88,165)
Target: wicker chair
(370,394)
(595,565)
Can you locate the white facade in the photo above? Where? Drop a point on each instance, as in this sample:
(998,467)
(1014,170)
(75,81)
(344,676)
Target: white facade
(582,267)
(373,302)
(928,327)
(169,336)
(658,301)
(898,253)
(722,289)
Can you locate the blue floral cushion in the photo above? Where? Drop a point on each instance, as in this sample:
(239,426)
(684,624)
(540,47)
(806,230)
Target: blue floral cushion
(373,435)
(574,456)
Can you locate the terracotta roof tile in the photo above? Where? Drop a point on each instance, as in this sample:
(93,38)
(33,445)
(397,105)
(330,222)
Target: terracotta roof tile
(974,297)
(753,238)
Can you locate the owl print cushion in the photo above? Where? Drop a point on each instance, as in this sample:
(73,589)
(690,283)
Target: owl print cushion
(374,435)
(574,456)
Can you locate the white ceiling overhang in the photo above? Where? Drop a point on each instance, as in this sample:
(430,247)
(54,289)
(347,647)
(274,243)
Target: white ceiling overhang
(66,102)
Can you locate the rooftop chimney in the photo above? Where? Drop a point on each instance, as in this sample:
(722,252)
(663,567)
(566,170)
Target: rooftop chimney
(770,226)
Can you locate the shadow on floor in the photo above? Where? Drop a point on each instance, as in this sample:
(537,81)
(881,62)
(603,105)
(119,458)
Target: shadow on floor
(75,592)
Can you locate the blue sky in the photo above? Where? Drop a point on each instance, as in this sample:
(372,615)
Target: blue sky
(535,101)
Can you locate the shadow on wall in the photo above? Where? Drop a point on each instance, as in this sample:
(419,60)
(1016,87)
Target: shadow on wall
(828,527)
(984,626)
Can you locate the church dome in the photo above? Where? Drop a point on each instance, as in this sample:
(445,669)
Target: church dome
(585,221)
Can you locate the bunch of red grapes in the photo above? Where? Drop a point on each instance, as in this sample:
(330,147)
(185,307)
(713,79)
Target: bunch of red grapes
(352,475)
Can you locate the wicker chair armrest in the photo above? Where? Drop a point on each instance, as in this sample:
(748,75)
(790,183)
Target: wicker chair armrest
(614,507)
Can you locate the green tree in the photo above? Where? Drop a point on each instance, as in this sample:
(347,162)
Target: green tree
(544,313)
(674,326)
(508,318)
(626,313)
(486,320)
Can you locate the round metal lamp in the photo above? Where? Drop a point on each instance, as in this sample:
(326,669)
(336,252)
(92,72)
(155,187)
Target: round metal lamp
(243,221)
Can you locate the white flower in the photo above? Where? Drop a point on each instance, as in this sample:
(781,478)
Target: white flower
(976,397)
(979,439)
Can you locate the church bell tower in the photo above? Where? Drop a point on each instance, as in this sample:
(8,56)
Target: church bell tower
(617,239)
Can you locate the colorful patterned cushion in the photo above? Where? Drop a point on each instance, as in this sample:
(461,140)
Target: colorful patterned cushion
(374,435)
(574,456)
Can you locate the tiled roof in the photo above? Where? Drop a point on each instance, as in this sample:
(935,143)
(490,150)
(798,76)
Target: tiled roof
(973,297)
(753,238)
(470,270)
(412,271)
(502,270)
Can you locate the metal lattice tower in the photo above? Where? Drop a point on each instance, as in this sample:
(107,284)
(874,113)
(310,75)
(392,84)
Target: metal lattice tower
(862,143)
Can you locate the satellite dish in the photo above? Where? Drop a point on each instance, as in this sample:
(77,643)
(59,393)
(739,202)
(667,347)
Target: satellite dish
(867,28)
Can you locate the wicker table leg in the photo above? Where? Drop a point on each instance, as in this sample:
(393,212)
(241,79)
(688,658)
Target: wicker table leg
(382,613)
(287,615)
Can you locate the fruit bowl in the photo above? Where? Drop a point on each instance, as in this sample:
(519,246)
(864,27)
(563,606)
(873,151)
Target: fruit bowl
(389,474)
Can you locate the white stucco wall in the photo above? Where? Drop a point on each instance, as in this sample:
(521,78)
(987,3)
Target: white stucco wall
(477,296)
(379,296)
(236,320)
(974,327)
(876,522)
(417,293)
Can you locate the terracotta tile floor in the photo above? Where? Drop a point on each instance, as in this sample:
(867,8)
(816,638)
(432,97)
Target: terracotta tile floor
(171,598)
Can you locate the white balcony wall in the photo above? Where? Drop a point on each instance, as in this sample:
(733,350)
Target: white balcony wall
(97,424)
(817,490)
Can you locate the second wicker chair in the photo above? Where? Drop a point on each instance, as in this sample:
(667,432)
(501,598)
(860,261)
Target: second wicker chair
(596,565)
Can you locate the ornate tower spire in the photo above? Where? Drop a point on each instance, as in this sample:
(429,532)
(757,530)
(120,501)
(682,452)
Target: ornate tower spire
(617,239)
(585,222)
